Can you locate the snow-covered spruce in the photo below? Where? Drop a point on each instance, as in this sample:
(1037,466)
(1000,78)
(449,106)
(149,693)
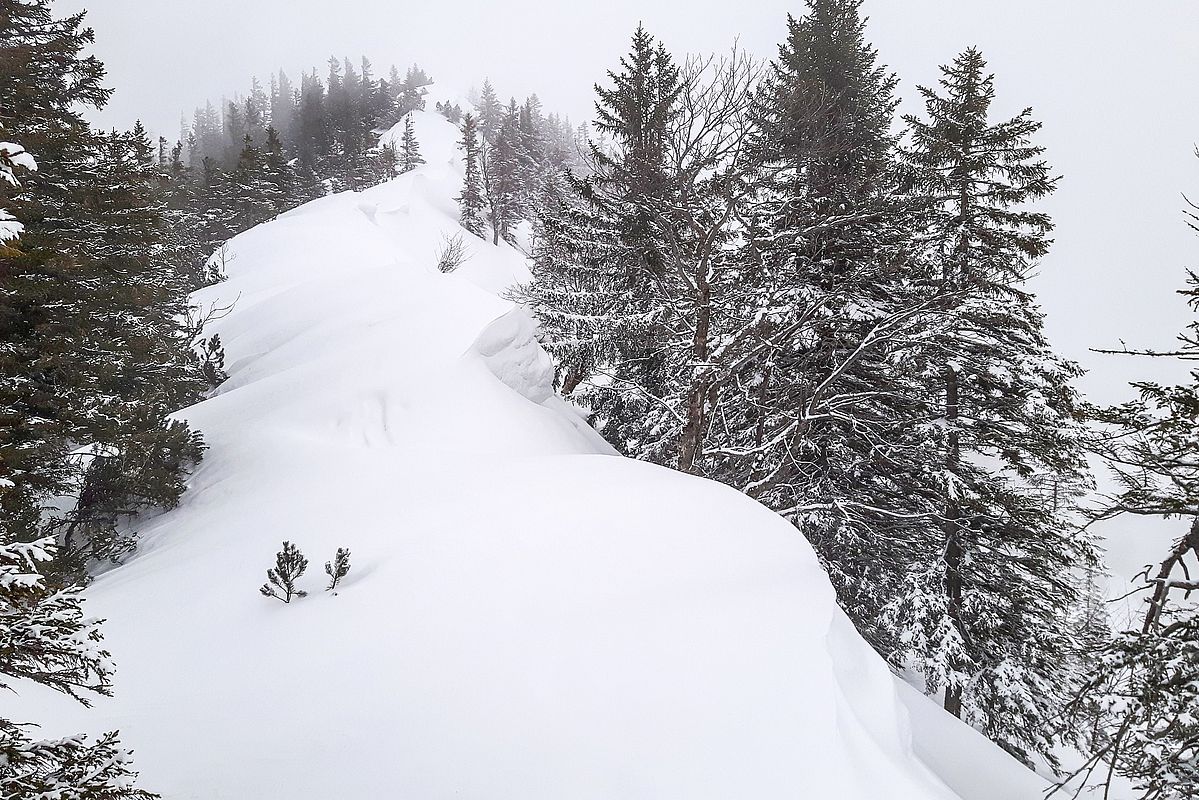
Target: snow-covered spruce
(753,283)
(96,352)
(45,639)
(985,607)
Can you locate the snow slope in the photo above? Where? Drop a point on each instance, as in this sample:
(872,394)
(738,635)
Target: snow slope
(528,615)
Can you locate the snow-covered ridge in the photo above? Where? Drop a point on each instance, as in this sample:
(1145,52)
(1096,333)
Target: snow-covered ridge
(528,616)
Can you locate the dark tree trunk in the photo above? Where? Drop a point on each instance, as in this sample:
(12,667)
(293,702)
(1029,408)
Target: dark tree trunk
(952,528)
(695,422)
(1162,586)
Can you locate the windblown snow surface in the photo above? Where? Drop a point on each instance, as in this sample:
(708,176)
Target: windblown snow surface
(529,616)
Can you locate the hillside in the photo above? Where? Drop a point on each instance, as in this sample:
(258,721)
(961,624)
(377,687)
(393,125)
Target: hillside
(528,615)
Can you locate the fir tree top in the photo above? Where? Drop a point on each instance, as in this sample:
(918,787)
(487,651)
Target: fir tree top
(827,104)
(977,171)
(636,112)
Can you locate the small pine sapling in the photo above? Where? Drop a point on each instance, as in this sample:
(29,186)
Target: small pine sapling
(281,581)
(216,270)
(337,568)
(212,361)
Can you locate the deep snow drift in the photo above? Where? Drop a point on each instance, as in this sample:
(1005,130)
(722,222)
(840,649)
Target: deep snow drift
(528,615)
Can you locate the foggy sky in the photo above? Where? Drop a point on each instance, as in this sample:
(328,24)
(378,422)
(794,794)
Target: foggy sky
(1116,84)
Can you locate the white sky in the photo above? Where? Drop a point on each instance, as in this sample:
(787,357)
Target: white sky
(1115,82)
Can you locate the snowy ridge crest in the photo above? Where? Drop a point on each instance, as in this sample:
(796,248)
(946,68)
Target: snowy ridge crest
(528,616)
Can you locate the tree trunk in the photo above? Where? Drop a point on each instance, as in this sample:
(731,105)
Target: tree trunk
(695,421)
(571,381)
(952,529)
(1161,590)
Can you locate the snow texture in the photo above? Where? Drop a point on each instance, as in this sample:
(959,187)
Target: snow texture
(528,616)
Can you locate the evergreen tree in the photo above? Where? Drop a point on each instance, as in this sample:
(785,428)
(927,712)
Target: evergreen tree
(45,638)
(395,86)
(235,132)
(505,175)
(139,365)
(94,352)
(254,194)
(412,93)
(183,221)
(381,105)
(210,139)
(490,113)
(410,157)
(215,192)
(212,361)
(600,259)
(283,106)
(337,569)
(637,111)
(471,202)
(312,137)
(387,162)
(830,430)
(284,192)
(451,111)
(347,145)
(257,109)
(290,565)
(987,616)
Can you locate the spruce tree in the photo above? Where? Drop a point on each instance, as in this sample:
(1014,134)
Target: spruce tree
(283,106)
(210,138)
(257,107)
(212,361)
(490,112)
(412,94)
(471,202)
(284,191)
(254,196)
(690,316)
(601,256)
(184,222)
(217,195)
(506,173)
(139,366)
(45,638)
(987,616)
(41,108)
(830,431)
(95,353)
(312,136)
(410,157)
(376,106)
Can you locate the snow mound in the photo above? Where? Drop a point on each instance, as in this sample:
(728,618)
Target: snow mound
(510,350)
(528,616)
